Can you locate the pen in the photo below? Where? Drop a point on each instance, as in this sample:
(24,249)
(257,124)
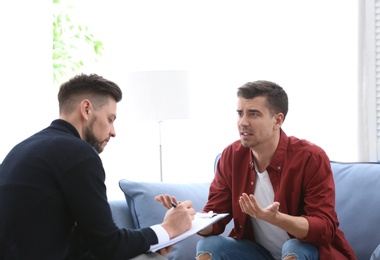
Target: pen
(173,204)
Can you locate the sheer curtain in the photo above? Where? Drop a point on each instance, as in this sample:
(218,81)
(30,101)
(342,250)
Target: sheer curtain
(368,86)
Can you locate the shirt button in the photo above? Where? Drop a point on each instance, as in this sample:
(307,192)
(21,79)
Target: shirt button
(279,167)
(252,183)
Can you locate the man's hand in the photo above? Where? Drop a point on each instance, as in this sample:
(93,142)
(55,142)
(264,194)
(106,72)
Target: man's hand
(166,250)
(298,226)
(178,220)
(206,230)
(250,206)
(166,200)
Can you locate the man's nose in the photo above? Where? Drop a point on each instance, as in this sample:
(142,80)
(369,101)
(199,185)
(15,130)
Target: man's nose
(243,120)
(113,132)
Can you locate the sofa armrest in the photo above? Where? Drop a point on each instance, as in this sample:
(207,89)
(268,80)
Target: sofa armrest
(121,214)
(357,189)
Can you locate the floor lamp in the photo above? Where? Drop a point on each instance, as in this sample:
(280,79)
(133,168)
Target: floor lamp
(159,96)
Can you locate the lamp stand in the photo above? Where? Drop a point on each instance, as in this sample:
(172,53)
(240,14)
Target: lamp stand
(160,148)
(159,92)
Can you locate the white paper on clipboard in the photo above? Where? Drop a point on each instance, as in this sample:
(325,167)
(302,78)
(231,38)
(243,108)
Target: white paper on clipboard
(201,221)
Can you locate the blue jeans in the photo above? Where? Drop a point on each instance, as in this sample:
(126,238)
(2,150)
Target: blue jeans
(226,248)
(302,251)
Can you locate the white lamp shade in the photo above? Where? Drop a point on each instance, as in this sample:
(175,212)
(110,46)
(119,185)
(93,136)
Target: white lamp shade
(159,95)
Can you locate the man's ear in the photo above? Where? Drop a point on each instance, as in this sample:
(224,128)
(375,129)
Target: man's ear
(85,108)
(279,119)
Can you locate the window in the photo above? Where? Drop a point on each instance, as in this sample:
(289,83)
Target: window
(369,80)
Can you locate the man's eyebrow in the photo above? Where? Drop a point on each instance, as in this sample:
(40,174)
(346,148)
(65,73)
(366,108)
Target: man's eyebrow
(249,110)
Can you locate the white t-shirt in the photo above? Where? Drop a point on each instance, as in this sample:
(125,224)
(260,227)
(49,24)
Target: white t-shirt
(269,236)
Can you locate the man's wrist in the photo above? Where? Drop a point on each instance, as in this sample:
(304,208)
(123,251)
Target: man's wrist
(161,233)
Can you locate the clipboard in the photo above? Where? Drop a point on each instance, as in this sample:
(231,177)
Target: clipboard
(201,221)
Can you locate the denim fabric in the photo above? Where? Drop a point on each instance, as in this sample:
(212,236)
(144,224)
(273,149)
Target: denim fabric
(227,248)
(376,254)
(303,251)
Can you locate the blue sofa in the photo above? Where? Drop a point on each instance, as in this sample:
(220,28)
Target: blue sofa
(357,206)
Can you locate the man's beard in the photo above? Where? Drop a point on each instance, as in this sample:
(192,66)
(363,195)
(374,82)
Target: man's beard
(251,144)
(90,138)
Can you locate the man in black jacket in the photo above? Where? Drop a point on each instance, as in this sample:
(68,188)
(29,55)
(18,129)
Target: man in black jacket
(53,199)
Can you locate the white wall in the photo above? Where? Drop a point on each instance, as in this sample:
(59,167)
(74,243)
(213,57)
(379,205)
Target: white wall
(27,98)
(309,48)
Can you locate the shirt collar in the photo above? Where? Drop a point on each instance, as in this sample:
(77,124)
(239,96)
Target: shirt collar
(280,153)
(65,126)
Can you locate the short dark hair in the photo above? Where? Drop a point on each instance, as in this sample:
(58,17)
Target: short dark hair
(277,99)
(94,87)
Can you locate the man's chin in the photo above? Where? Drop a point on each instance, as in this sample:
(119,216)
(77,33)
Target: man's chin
(101,147)
(247,144)
(98,148)
(244,143)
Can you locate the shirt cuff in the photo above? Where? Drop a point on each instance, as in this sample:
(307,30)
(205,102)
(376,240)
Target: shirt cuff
(161,234)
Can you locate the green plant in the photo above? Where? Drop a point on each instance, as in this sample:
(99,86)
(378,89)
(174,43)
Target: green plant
(69,42)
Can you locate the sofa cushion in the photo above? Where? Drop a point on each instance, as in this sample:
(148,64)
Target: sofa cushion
(357,188)
(146,211)
(121,214)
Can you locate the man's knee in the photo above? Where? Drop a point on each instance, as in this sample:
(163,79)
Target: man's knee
(289,257)
(210,247)
(295,249)
(204,256)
